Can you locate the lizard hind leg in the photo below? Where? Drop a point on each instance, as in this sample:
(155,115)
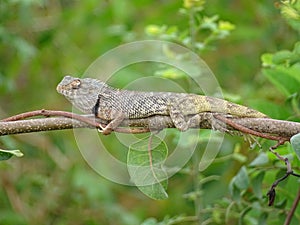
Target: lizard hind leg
(180,120)
(183,113)
(183,124)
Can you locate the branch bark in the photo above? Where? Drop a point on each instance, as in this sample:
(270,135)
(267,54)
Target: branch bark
(207,120)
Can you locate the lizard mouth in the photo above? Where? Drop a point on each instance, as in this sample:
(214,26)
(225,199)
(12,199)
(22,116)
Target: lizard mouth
(58,89)
(62,91)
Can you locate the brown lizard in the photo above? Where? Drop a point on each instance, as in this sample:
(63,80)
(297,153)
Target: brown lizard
(114,105)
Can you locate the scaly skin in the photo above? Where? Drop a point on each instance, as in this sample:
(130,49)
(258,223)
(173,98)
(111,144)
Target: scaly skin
(94,96)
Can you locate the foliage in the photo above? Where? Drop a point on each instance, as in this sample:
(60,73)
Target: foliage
(145,166)
(296,144)
(201,33)
(7,154)
(42,40)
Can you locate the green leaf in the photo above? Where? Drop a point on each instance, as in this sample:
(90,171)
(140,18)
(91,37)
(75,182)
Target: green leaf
(269,108)
(145,161)
(238,183)
(297,49)
(234,191)
(295,141)
(170,73)
(225,25)
(262,219)
(241,180)
(260,160)
(283,80)
(153,30)
(155,191)
(239,157)
(7,154)
(150,221)
(282,57)
(267,59)
(281,204)
(166,221)
(257,184)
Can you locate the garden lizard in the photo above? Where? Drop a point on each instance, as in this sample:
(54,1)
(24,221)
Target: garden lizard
(114,105)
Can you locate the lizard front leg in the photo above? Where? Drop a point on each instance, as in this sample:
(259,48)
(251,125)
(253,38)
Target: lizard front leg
(105,111)
(112,124)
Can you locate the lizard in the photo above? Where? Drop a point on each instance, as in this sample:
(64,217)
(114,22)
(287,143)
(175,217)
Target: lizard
(114,105)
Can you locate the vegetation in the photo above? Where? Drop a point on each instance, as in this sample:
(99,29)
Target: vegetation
(253,49)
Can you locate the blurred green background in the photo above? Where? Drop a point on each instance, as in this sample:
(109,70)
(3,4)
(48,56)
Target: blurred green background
(41,41)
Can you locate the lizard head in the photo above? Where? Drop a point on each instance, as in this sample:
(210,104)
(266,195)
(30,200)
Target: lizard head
(82,93)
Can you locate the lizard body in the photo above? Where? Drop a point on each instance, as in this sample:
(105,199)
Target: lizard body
(114,105)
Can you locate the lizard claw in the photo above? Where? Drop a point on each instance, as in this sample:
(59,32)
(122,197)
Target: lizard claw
(104,130)
(100,128)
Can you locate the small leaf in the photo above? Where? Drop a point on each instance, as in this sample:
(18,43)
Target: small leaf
(154,30)
(281,204)
(7,154)
(257,184)
(267,59)
(295,141)
(260,160)
(239,157)
(171,73)
(283,80)
(150,221)
(145,161)
(155,191)
(297,49)
(262,219)
(172,30)
(234,191)
(225,25)
(241,180)
(282,57)
(188,4)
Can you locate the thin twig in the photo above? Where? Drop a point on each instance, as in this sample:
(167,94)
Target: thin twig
(289,171)
(249,131)
(292,210)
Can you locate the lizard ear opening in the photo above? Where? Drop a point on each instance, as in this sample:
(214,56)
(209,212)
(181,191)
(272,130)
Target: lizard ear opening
(76,84)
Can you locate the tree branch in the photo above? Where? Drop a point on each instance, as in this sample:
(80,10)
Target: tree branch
(263,127)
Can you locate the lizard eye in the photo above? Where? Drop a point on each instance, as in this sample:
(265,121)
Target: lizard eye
(75,84)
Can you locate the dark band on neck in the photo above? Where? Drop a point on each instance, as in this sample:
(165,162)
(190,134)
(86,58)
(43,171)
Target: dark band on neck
(95,109)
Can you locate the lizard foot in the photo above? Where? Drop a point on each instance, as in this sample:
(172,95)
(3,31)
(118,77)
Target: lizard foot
(112,124)
(104,130)
(222,126)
